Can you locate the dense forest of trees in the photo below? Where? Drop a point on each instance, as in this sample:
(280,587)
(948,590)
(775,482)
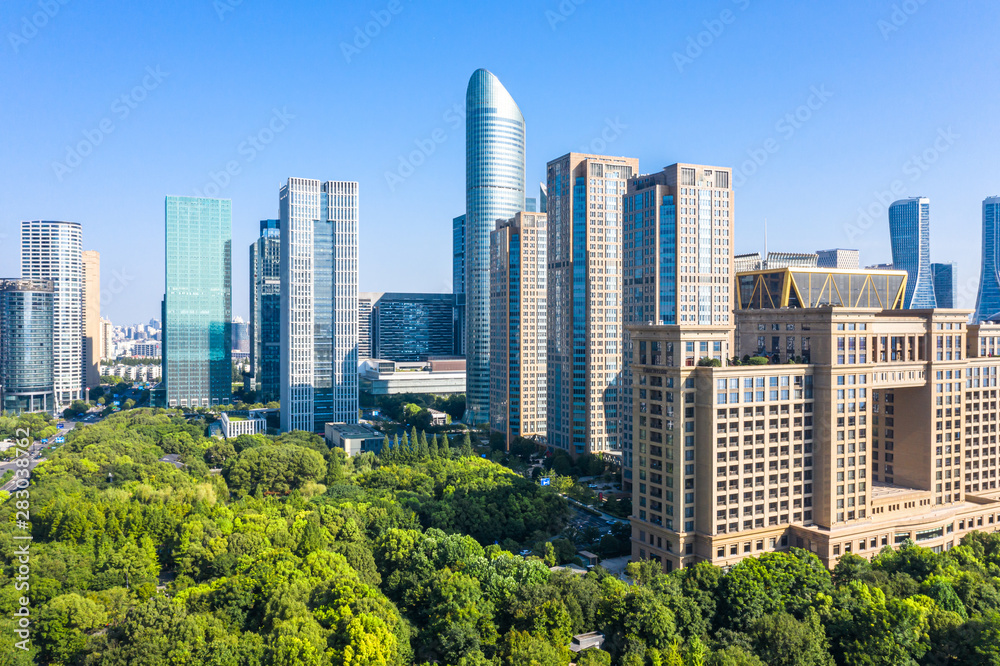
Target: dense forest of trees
(294,554)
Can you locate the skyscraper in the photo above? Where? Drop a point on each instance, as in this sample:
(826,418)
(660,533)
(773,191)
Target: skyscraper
(678,263)
(91,318)
(494,182)
(584,306)
(53,251)
(458,280)
(945,283)
(26,358)
(988,298)
(197,303)
(319,303)
(518,321)
(910,234)
(265,310)
(107,347)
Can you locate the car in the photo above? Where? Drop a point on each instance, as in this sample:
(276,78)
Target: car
(611,522)
(592,486)
(525,553)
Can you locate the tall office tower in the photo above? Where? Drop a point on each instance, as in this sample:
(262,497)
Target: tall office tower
(319,303)
(838,258)
(365,301)
(265,310)
(518,321)
(240,336)
(107,339)
(26,351)
(408,326)
(198,302)
(494,190)
(945,283)
(677,263)
(910,234)
(53,251)
(584,354)
(988,298)
(543,197)
(458,280)
(91,318)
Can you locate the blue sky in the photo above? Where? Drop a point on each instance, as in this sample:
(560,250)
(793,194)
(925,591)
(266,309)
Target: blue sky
(902,94)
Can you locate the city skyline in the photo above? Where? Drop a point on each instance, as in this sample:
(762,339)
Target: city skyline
(924,152)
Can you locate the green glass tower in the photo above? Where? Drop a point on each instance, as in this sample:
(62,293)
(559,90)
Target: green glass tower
(197,302)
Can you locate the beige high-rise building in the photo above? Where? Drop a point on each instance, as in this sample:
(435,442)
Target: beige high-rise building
(91,318)
(584,205)
(870,426)
(518,326)
(678,258)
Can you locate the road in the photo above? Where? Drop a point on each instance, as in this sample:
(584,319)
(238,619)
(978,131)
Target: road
(34,455)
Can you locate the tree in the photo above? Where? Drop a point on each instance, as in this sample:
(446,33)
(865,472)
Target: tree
(784,641)
(63,625)
(466,450)
(435,450)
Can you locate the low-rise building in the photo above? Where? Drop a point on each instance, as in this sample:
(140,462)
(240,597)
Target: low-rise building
(353,439)
(435,376)
(238,423)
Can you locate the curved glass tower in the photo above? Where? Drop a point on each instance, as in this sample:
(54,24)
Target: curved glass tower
(494,190)
(26,353)
(910,235)
(988,300)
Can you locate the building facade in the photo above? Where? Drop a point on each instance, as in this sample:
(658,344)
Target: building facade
(945,284)
(53,252)
(27,367)
(518,322)
(107,339)
(677,261)
(494,181)
(458,280)
(584,356)
(91,318)
(319,303)
(838,258)
(407,326)
(988,297)
(197,305)
(910,234)
(265,310)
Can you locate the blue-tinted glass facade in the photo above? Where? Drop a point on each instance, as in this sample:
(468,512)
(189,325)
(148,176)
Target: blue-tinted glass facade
(494,176)
(909,232)
(945,280)
(265,310)
(197,308)
(411,327)
(988,298)
(458,280)
(26,353)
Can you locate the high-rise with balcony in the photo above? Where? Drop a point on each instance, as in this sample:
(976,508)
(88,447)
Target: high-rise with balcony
(677,263)
(988,297)
(53,251)
(584,356)
(518,341)
(319,303)
(197,303)
(494,190)
(265,310)
(91,318)
(910,234)
(26,358)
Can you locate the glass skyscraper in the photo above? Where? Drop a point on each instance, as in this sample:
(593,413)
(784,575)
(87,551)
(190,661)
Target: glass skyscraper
(26,359)
(494,181)
(265,310)
(406,326)
(53,251)
(945,283)
(910,234)
(197,303)
(988,299)
(458,280)
(319,303)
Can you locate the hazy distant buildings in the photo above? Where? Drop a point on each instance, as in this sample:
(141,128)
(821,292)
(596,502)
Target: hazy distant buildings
(53,251)
(909,232)
(838,258)
(518,322)
(319,303)
(197,304)
(26,351)
(406,326)
(91,318)
(494,177)
(265,310)
(240,337)
(584,355)
(988,298)
(945,284)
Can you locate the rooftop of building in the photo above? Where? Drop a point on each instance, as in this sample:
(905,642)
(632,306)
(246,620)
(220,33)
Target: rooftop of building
(352,430)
